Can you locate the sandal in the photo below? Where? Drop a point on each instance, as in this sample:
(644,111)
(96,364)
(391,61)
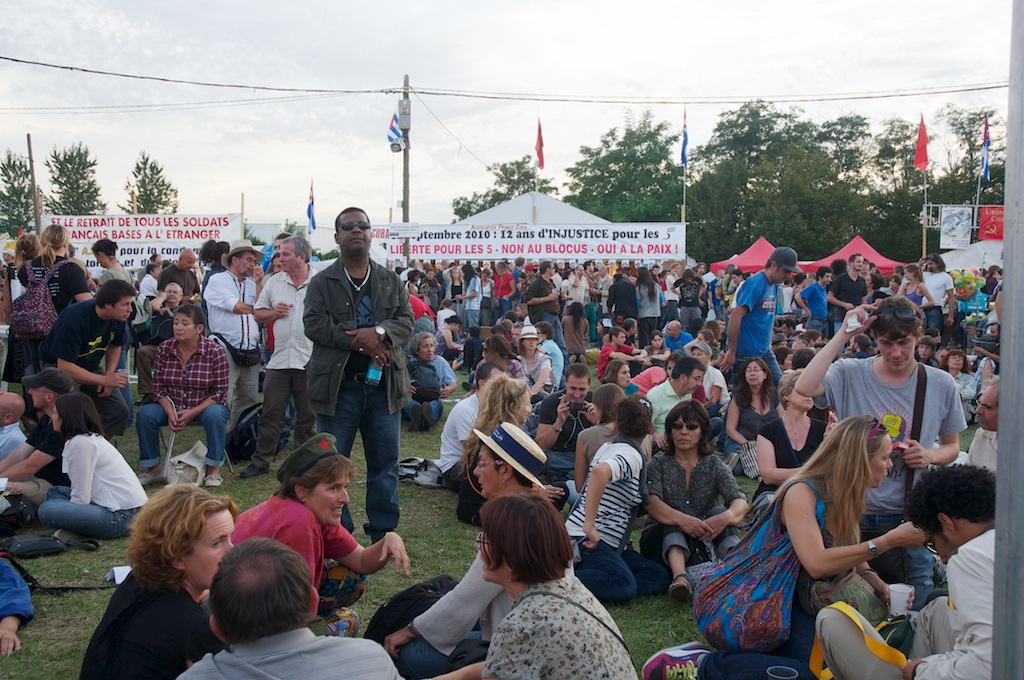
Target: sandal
(680,590)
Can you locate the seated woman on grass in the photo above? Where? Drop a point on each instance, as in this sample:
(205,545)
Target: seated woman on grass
(305,515)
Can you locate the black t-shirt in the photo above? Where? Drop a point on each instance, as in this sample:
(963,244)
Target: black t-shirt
(689,293)
(81,337)
(574,424)
(539,288)
(68,282)
(785,456)
(848,289)
(147,634)
(44,438)
(622,299)
(358,363)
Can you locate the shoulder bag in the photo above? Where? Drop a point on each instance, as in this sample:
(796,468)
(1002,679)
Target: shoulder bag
(892,564)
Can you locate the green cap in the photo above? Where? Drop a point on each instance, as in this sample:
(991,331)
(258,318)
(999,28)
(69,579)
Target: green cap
(306,456)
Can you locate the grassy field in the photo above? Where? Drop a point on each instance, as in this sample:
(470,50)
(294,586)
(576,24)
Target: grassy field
(54,642)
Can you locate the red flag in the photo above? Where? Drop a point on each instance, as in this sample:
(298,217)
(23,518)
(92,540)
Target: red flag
(921,155)
(540,146)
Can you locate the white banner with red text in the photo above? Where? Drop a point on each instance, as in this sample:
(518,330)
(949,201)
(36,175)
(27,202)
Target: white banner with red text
(139,236)
(649,241)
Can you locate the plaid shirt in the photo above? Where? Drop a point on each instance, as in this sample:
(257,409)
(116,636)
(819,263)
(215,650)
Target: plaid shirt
(205,376)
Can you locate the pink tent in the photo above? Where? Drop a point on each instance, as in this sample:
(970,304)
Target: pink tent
(751,259)
(856,245)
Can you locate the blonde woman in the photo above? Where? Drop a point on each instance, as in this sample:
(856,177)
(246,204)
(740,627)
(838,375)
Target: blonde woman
(824,497)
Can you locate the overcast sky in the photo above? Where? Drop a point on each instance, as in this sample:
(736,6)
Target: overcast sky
(270,151)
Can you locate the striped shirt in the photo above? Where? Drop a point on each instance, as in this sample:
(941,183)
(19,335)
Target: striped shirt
(620,496)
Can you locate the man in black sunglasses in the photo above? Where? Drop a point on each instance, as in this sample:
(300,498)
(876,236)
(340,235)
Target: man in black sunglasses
(358,315)
(885,388)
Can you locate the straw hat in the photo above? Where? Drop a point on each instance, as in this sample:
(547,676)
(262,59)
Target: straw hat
(515,447)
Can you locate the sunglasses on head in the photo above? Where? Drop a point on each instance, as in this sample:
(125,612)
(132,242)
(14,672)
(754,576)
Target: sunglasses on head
(680,425)
(901,313)
(349,226)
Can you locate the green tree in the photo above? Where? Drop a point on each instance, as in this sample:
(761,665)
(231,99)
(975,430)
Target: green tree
(631,175)
(755,132)
(73,176)
(511,179)
(846,140)
(800,201)
(16,209)
(149,191)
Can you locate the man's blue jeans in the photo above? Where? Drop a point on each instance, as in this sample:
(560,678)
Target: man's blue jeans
(769,358)
(619,578)
(472,318)
(152,417)
(94,521)
(559,337)
(364,408)
(920,561)
(820,325)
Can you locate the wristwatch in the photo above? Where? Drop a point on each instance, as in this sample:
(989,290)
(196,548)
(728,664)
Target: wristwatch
(381,333)
(873,549)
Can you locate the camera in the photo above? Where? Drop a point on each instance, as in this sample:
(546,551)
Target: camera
(578,407)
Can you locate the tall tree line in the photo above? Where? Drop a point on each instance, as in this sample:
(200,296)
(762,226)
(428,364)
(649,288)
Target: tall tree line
(75,190)
(776,173)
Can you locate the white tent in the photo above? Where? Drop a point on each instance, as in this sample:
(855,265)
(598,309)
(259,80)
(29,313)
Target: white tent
(981,254)
(533,208)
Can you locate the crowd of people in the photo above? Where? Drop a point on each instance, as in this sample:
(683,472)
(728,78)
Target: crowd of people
(842,392)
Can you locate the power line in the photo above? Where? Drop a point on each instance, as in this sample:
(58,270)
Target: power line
(556,98)
(461,145)
(167,106)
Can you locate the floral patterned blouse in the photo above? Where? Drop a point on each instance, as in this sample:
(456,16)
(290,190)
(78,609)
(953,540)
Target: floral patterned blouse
(547,637)
(709,481)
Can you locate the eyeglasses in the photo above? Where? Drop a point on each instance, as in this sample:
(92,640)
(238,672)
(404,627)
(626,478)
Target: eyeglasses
(680,425)
(901,313)
(480,541)
(349,226)
(480,462)
(930,544)
(980,404)
(878,426)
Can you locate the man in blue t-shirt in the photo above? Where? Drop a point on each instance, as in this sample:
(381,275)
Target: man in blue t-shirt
(813,299)
(752,319)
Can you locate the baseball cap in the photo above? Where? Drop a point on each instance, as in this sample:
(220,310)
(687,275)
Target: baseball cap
(53,379)
(786,258)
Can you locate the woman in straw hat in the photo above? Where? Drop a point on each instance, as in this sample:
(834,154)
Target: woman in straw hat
(507,462)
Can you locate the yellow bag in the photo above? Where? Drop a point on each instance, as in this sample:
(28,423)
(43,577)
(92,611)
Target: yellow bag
(879,649)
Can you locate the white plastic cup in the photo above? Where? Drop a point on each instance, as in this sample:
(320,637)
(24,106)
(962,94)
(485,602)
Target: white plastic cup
(782,673)
(899,598)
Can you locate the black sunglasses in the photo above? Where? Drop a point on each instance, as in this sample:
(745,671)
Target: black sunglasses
(679,425)
(901,313)
(349,226)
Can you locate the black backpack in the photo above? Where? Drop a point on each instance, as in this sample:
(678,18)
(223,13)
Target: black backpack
(241,441)
(426,381)
(405,606)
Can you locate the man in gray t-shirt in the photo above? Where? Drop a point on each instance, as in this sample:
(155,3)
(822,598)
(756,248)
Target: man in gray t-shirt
(884,387)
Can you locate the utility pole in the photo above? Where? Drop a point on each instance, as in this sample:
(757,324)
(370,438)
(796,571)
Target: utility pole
(37,201)
(1008,615)
(404,123)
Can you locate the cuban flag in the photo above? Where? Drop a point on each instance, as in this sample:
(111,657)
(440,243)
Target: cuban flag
(686,139)
(986,142)
(394,132)
(310,214)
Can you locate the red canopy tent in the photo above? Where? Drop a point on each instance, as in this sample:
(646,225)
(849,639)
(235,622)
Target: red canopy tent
(856,245)
(751,259)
